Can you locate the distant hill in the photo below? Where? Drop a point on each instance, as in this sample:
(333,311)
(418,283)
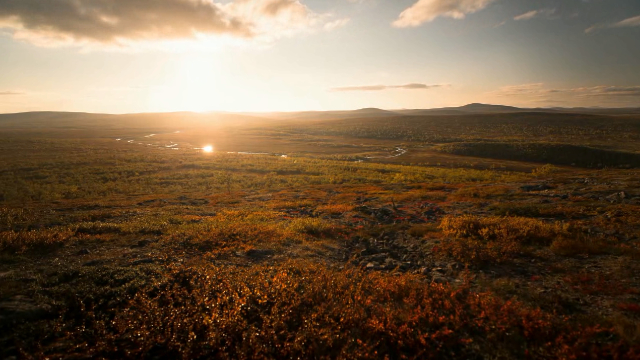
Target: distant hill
(474,108)
(328,115)
(88,121)
(599,111)
(78,120)
(477,108)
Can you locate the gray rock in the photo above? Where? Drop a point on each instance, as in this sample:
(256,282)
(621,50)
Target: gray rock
(93,262)
(379,257)
(439,280)
(538,187)
(390,263)
(143,243)
(260,253)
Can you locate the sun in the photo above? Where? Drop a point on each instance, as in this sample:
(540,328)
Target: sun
(193,83)
(207,149)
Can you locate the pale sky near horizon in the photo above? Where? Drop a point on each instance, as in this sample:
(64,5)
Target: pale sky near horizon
(117,56)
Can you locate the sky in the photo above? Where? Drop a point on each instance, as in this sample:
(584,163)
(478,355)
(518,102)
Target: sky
(115,56)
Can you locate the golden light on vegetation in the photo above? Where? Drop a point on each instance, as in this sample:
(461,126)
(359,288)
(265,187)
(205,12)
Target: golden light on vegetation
(457,248)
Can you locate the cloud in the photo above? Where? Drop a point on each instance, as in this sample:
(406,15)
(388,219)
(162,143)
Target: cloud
(8,93)
(427,10)
(527,15)
(336,24)
(538,93)
(108,21)
(630,22)
(118,22)
(535,13)
(387,87)
(618,91)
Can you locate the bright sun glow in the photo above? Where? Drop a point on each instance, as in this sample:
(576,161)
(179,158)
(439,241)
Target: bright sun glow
(193,85)
(208,149)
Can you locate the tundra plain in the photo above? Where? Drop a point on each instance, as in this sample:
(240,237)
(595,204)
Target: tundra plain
(474,232)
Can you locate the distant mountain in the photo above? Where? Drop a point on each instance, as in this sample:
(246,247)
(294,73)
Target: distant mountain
(475,108)
(373,112)
(78,121)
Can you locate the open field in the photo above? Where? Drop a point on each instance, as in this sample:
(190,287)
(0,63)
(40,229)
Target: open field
(428,238)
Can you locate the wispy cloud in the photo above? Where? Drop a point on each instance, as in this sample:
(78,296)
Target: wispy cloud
(535,13)
(538,92)
(118,22)
(9,93)
(427,10)
(526,16)
(630,22)
(414,86)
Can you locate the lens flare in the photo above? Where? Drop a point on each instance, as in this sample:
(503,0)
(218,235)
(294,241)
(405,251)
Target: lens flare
(207,149)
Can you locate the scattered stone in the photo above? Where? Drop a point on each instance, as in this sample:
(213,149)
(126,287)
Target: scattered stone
(143,243)
(539,187)
(259,253)
(84,252)
(617,197)
(439,280)
(391,264)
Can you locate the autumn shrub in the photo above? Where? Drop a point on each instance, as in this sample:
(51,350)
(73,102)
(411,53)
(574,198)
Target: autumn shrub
(630,307)
(97,227)
(483,192)
(9,217)
(516,209)
(310,226)
(477,239)
(335,209)
(599,284)
(627,327)
(544,170)
(33,240)
(580,244)
(305,310)
(229,230)
(420,230)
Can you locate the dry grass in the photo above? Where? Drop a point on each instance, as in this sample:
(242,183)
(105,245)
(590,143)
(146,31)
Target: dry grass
(495,239)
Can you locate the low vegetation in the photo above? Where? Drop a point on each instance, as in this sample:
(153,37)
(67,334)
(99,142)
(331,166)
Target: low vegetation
(117,250)
(559,154)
